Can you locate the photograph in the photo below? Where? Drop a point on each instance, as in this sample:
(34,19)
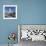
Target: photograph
(9,11)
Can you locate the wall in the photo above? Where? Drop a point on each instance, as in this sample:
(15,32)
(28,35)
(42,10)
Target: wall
(7,26)
(28,12)
(33,12)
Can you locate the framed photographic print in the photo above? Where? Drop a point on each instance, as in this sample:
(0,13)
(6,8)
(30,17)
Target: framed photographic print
(9,11)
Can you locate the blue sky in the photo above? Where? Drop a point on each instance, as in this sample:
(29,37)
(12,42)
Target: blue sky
(12,8)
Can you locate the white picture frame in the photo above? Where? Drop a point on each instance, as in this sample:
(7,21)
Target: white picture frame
(13,9)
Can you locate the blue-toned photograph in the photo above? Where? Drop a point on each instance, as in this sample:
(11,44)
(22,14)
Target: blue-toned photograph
(9,11)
